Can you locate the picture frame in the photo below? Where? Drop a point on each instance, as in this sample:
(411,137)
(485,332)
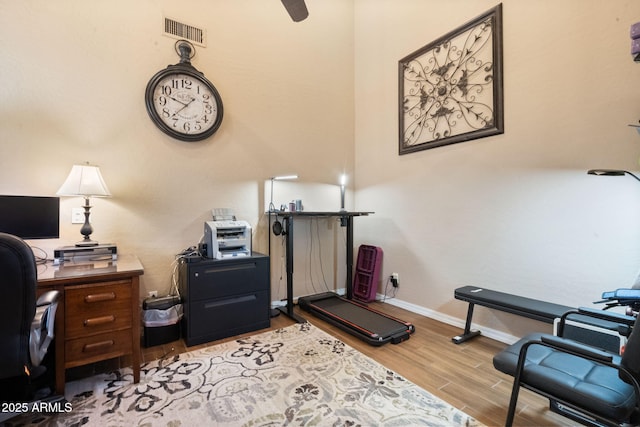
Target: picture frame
(451,90)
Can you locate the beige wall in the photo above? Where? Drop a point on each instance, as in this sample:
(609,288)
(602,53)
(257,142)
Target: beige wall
(74,76)
(514,212)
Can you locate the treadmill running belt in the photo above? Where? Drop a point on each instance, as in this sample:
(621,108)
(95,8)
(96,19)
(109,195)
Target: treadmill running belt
(373,326)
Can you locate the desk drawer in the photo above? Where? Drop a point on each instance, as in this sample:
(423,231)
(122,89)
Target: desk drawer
(85,350)
(95,309)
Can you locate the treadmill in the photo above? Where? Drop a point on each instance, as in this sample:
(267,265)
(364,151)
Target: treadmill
(368,324)
(372,326)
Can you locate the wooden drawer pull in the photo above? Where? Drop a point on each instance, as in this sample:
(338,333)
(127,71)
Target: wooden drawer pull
(97,345)
(107,296)
(96,321)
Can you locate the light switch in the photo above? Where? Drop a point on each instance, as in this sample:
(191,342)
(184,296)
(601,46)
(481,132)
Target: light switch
(77,215)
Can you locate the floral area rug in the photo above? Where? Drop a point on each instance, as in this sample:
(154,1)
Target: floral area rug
(298,376)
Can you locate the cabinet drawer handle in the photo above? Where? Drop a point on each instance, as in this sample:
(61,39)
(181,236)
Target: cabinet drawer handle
(96,321)
(107,296)
(97,345)
(219,269)
(230,301)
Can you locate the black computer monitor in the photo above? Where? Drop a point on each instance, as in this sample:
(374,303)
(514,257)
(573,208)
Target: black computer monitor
(30,217)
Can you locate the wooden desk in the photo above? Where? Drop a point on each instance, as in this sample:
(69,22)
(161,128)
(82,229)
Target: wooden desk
(98,315)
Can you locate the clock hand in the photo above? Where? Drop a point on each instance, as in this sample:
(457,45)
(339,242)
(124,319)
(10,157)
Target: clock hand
(179,102)
(184,106)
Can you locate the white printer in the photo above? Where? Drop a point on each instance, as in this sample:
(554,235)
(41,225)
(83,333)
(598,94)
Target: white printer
(226,239)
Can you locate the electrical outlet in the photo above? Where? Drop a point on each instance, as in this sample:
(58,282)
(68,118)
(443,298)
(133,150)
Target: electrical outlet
(395,279)
(153,294)
(77,216)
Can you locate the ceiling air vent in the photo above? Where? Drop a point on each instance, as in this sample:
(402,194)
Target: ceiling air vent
(178,30)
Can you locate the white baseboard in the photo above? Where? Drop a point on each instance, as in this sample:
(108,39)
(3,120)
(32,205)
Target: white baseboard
(449,320)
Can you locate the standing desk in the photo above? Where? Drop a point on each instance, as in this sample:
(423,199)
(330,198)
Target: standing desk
(370,325)
(346,220)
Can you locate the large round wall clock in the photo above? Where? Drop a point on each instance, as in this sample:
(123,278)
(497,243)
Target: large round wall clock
(182,102)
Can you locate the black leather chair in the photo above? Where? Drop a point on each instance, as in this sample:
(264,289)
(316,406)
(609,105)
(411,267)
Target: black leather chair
(26,323)
(582,382)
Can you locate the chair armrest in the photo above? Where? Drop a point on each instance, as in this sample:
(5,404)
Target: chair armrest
(624,322)
(48,298)
(577,348)
(607,315)
(42,326)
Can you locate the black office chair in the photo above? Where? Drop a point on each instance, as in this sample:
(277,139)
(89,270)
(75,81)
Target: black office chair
(26,324)
(584,383)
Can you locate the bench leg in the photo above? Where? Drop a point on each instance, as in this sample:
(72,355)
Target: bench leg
(468,333)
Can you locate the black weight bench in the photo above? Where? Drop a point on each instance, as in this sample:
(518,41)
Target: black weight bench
(527,307)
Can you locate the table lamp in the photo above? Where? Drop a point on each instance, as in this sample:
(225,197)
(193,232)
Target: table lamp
(343,182)
(611,172)
(278,178)
(85,181)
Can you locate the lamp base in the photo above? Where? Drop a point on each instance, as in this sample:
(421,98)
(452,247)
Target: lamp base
(86,243)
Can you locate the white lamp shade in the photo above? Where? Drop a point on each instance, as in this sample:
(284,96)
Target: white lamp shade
(86,181)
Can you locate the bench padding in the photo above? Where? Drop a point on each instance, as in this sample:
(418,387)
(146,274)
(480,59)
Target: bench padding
(522,306)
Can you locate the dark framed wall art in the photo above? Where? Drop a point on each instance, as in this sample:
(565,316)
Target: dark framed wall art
(451,90)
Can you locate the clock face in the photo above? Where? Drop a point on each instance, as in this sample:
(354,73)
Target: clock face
(183,104)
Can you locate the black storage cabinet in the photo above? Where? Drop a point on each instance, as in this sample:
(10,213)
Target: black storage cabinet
(224,297)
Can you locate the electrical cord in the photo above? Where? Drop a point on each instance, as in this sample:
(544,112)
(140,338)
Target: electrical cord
(174,280)
(191,251)
(386,290)
(282,265)
(314,258)
(310,252)
(324,279)
(40,259)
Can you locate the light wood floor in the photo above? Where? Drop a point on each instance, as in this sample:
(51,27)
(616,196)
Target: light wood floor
(462,375)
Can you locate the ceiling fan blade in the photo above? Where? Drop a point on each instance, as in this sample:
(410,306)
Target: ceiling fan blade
(297,9)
